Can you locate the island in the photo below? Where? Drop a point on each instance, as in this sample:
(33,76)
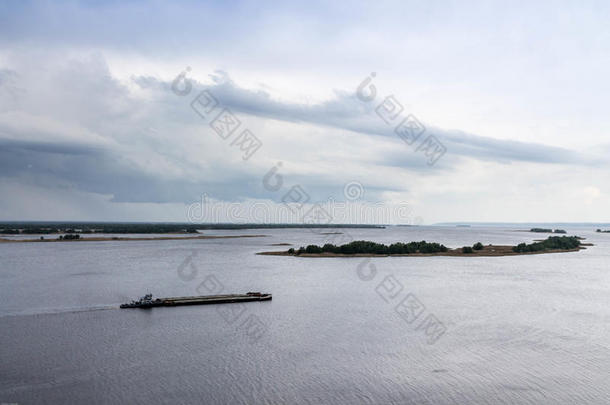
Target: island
(547,230)
(600,231)
(363,248)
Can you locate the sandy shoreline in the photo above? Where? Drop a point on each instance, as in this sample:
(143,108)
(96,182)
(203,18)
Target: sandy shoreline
(119,238)
(487,251)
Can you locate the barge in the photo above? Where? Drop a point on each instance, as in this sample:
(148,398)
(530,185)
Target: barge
(147,301)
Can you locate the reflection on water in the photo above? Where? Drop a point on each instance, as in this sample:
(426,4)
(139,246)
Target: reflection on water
(526,329)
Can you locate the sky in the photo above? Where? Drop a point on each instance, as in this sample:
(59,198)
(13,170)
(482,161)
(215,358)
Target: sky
(260,112)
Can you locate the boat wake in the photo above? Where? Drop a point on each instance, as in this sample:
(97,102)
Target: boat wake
(54,311)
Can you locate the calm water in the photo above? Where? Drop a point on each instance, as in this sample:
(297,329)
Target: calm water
(528,329)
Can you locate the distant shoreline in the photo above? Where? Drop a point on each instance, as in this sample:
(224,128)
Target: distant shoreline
(49,228)
(122,239)
(487,251)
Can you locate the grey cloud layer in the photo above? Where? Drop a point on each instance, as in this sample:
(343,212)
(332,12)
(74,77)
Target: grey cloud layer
(349,113)
(100,143)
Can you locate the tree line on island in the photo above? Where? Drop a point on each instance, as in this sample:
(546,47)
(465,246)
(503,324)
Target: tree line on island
(423,247)
(69,236)
(368,247)
(547,230)
(552,242)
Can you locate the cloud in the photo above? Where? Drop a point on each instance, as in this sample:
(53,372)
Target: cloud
(515,94)
(75,129)
(149,146)
(347,112)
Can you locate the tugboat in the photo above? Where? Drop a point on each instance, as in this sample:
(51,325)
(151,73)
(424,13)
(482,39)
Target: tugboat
(148,302)
(144,302)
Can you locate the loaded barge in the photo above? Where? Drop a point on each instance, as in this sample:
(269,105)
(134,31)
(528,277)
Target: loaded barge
(148,302)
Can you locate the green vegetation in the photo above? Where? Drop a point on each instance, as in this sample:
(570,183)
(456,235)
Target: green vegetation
(547,230)
(69,237)
(552,242)
(10,231)
(368,247)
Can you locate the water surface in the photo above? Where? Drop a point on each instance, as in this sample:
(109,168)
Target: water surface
(524,329)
